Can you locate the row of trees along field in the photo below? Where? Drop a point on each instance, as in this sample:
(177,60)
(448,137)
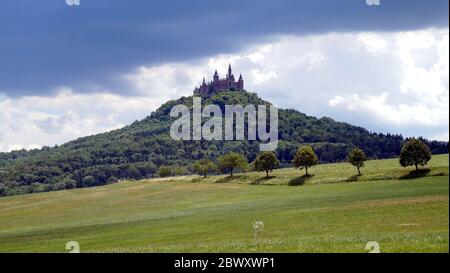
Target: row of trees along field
(413,153)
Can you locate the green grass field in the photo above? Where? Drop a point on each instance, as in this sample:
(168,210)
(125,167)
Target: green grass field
(333,211)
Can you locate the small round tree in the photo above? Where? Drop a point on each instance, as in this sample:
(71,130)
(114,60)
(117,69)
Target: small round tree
(305,158)
(204,166)
(357,157)
(88,181)
(231,161)
(266,162)
(414,153)
(165,171)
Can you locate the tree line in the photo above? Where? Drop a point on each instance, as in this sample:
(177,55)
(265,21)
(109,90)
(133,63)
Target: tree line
(413,153)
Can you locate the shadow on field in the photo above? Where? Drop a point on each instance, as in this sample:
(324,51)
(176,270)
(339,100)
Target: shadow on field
(198,179)
(416,174)
(228,179)
(299,181)
(353,178)
(261,180)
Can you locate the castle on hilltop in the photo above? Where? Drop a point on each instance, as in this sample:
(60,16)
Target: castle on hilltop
(225,84)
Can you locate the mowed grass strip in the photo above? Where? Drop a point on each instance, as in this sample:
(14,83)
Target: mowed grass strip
(183,215)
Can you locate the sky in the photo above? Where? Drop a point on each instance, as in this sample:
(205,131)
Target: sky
(71,71)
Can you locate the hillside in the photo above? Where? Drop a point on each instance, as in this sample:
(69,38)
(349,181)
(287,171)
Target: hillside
(138,150)
(192,214)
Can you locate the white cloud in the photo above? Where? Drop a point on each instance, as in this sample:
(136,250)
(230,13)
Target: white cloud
(399,114)
(374,42)
(419,103)
(388,82)
(165,81)
(32,122)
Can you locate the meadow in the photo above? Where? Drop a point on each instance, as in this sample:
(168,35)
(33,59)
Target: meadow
(332,211)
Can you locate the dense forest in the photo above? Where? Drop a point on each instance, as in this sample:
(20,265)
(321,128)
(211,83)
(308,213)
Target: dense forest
(138,150)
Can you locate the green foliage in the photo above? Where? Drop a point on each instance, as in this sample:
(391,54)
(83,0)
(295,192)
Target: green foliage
(68,183)
(88,181)
(266,162)
(415,153)
(305,158)
(204,166)
(246,167)
(357,157)
(180,171)
(231,161)
(138,150)
(165,171)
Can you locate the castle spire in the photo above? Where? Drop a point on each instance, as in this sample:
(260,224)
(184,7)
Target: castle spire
(241,82)
(229,70)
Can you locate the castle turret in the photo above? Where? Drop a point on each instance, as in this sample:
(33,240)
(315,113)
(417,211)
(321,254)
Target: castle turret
(230,72)
(241,82)
(216,77)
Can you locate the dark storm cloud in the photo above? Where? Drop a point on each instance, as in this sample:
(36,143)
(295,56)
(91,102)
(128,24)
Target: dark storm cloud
(45,44)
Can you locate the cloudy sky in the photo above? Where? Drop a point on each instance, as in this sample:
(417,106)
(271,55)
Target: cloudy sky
(67,72)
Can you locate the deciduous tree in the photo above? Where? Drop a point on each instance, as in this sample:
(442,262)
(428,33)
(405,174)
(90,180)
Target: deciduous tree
(414,153)
(305,158)
(204,166)
(231,161)
(165,171)
(267,162)
(357,157)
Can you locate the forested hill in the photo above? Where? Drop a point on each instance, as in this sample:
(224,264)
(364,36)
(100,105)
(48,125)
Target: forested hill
(138,150)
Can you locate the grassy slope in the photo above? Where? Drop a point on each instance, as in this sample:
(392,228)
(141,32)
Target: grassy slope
(193,214)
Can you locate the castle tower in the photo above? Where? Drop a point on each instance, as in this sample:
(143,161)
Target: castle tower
(216,77)
(241,82)
(230,77)
(203,88)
